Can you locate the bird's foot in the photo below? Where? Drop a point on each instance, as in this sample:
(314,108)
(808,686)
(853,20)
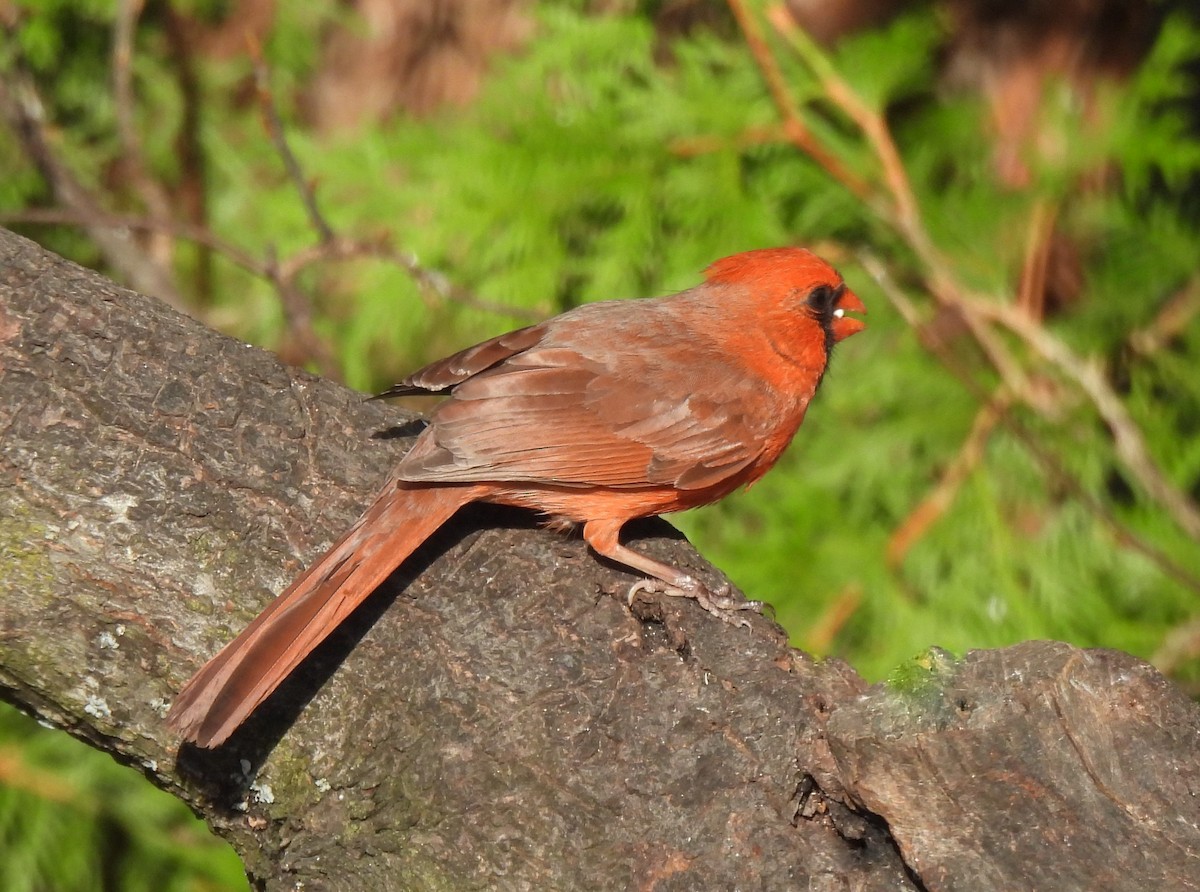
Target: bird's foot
(716,601)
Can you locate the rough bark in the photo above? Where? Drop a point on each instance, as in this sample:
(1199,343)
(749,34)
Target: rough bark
(492,719)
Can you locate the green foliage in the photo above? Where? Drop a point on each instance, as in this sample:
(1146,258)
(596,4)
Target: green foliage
(73,819)
(590,168)
(574,194)
(1162,92)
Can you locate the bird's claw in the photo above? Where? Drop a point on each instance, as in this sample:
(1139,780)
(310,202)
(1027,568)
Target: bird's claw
(717,601)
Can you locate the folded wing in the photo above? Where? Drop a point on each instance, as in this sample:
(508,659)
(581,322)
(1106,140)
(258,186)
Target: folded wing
(573,409)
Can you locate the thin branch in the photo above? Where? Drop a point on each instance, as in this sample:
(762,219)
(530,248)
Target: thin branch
(132,158)
(1179,646)
(297,310)
(691,146)
(1050,463)
(1169,322)
(429,281)
(190,197)
(872,124)
(975,312)
(905,212)
(1010,371)
(939,500)
(1127,436)
(793,124)
(824,630)
(124,23)
(275,128)
(22,106)
(297,305)
(1031,293)
(188,231)
(16,773)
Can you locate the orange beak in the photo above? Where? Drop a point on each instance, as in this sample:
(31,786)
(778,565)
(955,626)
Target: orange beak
(843,325)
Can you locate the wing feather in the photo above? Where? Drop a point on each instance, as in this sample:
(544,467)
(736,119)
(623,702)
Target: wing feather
(572,410)
(445,374)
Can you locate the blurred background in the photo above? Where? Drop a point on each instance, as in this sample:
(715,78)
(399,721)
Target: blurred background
(1012,449)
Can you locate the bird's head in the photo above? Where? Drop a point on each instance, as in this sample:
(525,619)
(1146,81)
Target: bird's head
(797,281)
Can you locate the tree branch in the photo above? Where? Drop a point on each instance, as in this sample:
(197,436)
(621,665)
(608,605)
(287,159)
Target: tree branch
(491,719)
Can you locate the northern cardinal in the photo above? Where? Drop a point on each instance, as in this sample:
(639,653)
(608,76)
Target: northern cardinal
(609,412)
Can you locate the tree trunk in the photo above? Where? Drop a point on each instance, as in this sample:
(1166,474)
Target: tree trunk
(492,718)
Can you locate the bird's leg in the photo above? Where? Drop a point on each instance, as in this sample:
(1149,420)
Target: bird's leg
(603,537)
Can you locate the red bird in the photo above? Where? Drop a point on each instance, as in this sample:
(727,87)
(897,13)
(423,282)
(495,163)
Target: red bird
(609,412)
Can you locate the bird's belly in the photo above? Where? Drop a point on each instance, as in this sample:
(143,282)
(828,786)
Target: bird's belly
(581,504)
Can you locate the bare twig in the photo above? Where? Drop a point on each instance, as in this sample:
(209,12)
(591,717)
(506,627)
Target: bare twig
(331,246)
(190,196)
(124,23)
(22,106)
(1031,293)
(1011,373)
(904,212)
(188,231)
(793,124)
(112,233)
(16,773)
(821,634)
(1170,321)
(1088,376)
(1050,463)
(274,125)
(431,282)
(872,124)
(132,159)
(976,312)
(691,146)
(297,310)
(1179,646)
(939,500)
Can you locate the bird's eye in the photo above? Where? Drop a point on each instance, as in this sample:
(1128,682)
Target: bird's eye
(821,299)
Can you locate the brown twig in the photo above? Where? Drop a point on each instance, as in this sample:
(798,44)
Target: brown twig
(939,500)
(331,246)
(825,629)
(1127,436)
(870,122)
(691,146)
(22,105)
(793,124)
(429,281)
(190,232)
(1010,371)
(339,250)
(190,196)
(111,232)
(124,23)
(132,159)
(17,774)
(275,129)
(976,312)
(1049,463)
(1175,316)
(1179,646)
(1031,292)
(904,212)
(305,344)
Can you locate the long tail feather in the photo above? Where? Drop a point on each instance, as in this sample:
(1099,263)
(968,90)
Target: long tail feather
(232,684)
